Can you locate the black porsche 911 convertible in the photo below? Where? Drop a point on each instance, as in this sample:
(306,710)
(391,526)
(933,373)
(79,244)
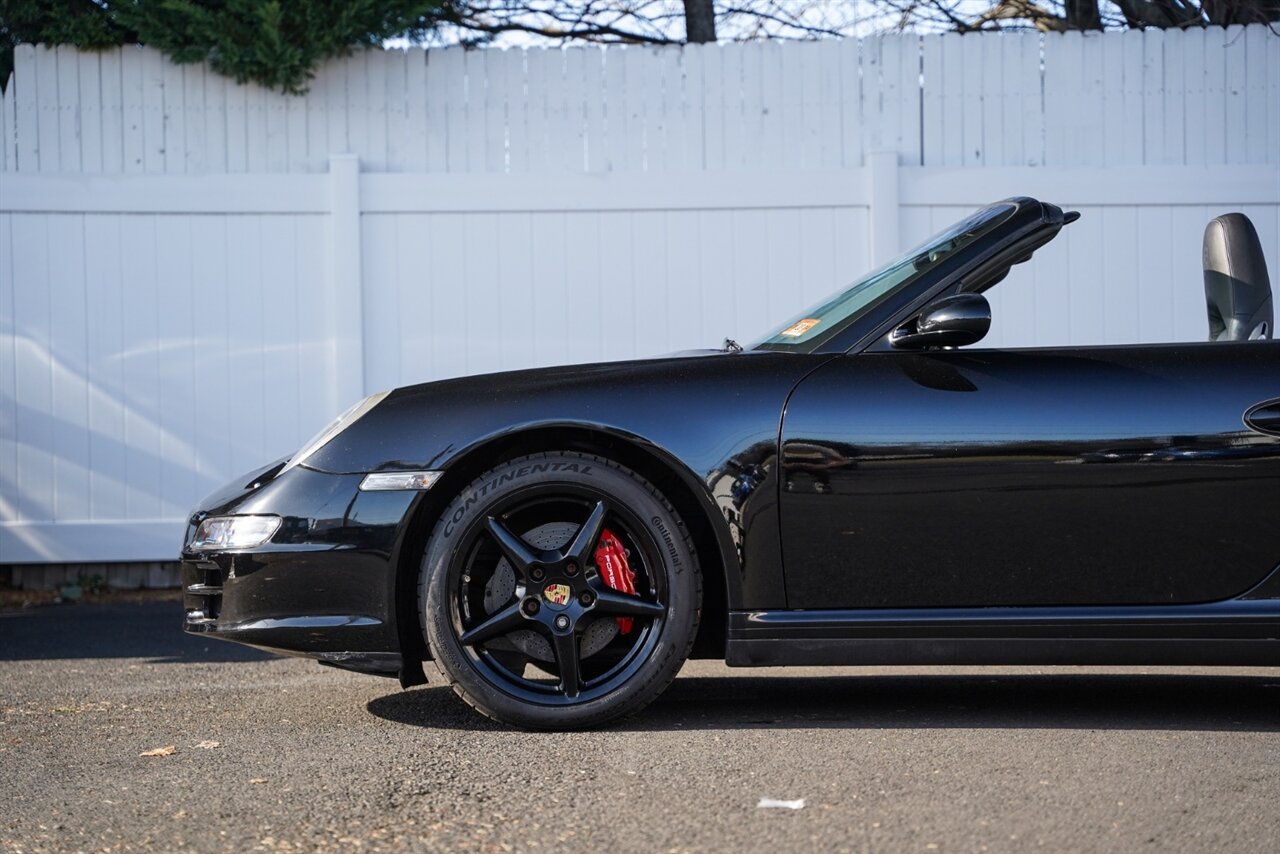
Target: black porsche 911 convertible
(856,488)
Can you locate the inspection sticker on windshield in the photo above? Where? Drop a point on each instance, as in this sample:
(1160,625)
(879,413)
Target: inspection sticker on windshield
(800,327)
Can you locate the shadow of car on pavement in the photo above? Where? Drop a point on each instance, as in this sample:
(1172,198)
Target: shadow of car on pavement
(1104,701)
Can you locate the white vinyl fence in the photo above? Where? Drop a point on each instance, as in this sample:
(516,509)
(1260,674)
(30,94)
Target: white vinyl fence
(196,275)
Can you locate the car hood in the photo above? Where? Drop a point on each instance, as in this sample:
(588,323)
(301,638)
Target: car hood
(695,398)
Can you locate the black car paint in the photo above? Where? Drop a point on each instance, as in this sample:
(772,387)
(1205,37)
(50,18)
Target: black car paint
(333,583)
(978,478)
(705,418)
(322,584)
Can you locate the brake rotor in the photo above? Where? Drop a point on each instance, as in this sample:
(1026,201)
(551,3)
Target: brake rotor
(501,590)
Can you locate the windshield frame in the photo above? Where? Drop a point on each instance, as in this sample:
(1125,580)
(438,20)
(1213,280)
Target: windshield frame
(1003,220)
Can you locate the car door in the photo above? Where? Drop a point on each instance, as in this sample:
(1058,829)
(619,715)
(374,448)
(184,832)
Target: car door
(1096,476)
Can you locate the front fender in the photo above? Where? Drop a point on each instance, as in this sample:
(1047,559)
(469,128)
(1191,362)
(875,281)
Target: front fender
(712,421)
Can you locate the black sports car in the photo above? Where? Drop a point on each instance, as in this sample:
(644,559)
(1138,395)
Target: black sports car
(856,488)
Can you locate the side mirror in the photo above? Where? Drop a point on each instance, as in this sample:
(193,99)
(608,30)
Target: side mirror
(955,321)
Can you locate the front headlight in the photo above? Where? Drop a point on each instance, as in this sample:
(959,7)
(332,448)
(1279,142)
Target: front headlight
(234,532)
(342,422)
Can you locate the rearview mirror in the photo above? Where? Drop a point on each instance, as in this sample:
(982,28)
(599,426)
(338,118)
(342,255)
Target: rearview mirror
(955,321)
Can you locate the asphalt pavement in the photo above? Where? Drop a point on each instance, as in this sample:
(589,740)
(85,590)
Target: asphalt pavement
(282,754)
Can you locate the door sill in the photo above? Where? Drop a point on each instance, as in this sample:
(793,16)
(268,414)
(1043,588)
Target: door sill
(1234,632)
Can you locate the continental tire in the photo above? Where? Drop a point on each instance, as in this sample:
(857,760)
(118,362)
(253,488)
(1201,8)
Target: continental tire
(559,591)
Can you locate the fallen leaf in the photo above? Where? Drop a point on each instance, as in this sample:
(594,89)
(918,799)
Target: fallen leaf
(209,745)
(257,780)
(167,750)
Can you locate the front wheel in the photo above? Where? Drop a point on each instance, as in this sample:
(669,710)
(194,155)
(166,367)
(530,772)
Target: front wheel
(559,591)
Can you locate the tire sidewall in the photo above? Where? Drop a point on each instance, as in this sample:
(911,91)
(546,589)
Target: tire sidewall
(678,564)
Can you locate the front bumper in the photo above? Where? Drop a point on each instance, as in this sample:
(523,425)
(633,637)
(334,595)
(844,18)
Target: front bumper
(323,587)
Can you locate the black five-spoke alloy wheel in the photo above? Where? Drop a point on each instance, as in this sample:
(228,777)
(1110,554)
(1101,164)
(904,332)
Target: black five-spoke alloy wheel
(559,590)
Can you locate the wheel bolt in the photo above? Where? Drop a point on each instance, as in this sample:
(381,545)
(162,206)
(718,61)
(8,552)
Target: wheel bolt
(537,574)
(571,569)
(530,606)
(562,622)
(587,598)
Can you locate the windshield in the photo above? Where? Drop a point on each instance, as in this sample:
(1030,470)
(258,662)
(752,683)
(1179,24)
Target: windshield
(819,323)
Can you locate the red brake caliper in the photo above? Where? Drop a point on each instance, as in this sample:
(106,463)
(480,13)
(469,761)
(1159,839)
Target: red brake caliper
(611,558)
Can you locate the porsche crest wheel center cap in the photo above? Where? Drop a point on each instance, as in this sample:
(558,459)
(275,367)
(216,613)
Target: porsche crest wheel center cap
(557,595)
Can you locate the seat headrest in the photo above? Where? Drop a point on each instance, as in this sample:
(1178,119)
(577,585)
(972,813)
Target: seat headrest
(1236,286)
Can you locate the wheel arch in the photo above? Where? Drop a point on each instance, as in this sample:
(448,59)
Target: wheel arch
(681,487)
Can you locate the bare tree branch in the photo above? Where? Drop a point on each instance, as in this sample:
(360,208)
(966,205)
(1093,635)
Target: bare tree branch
(661,22)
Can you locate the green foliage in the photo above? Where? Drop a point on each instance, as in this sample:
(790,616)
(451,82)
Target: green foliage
(72,591)
(79,22)
(276,43)
(273,42)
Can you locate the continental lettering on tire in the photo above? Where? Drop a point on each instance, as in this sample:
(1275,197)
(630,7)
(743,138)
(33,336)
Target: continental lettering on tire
(508,477)
(669,541)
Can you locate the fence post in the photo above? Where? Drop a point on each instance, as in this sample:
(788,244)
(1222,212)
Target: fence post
(882,175)
(346,279)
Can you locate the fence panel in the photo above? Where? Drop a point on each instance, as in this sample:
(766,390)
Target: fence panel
(1017,99)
